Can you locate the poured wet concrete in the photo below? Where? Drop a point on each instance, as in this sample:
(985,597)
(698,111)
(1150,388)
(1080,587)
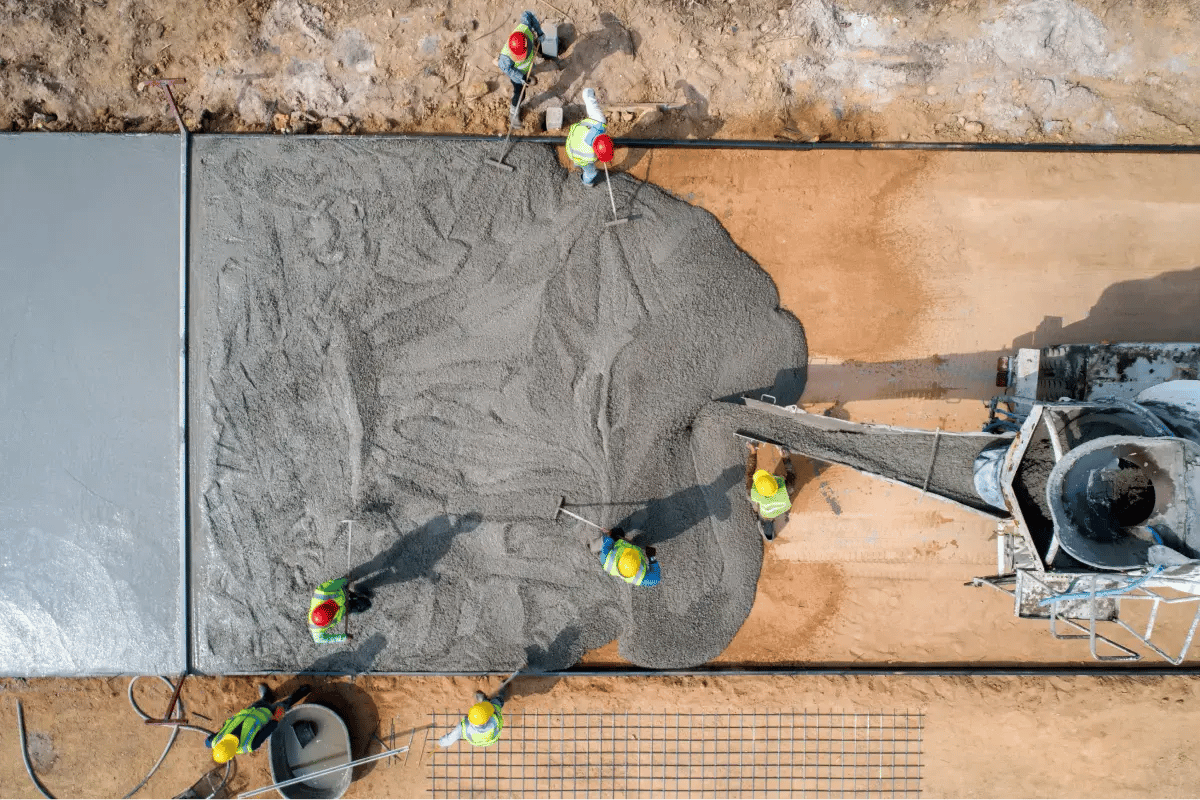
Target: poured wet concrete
(394,333)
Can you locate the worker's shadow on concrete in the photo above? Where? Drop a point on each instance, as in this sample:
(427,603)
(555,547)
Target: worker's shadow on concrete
(1159,309)
(566,648)
(350,658)
(414,554)
(662,519)
(580,54)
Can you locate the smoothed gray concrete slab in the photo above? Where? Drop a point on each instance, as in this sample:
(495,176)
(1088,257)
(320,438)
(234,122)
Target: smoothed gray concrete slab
(90,477)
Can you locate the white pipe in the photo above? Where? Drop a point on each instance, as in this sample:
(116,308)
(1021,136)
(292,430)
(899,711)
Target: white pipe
(322,773)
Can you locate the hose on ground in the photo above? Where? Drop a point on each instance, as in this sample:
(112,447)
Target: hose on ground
(25,753)
(174,732)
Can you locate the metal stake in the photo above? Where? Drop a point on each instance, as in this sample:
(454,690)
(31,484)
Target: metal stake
(165,84)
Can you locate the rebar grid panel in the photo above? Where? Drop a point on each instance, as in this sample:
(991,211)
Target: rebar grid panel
(805,753)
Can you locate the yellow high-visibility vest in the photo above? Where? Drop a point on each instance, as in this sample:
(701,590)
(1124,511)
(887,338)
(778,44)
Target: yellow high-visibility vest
(778,503)
(334,590)
(245,725)
(614,556)
(485,734)
(524,66)
(579,141)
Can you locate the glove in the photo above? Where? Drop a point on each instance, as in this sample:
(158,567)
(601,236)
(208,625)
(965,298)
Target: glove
(530,81)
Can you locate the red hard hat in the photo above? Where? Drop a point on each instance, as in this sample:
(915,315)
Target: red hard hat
(602,146)
(518,44)
(323,614)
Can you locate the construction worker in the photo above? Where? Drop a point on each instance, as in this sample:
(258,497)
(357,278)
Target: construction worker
(769,493)
(482,724)
(587,141)
(516,61)
(330,602)
(247,730)
(623,559)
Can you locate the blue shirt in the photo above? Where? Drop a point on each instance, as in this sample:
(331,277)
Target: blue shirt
(506,64)
(653,571)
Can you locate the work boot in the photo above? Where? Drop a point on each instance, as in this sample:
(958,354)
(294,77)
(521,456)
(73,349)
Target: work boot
(263,691)
(480,697)
(767,528)
(514,116)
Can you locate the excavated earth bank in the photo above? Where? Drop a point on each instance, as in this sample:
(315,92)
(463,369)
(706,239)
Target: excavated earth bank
(392,332)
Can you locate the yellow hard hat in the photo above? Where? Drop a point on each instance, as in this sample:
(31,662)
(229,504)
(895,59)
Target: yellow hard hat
(225,748)
(629,563)
(765,483)
(480,713)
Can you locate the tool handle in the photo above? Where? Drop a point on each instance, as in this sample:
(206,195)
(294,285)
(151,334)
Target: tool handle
(508,680)
(584,521)
(349,544)
(608,184)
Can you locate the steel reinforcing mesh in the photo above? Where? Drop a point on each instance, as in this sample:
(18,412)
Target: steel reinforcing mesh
(797,753)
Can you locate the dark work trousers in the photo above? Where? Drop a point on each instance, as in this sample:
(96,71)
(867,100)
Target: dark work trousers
(516,96)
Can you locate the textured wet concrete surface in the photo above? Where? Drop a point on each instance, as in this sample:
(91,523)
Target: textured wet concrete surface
(394,333)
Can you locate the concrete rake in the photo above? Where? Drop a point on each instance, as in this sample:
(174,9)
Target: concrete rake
(562,509)
(615,220)
(498,163)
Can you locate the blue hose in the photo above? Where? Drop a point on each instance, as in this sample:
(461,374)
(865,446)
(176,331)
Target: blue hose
(1116,590)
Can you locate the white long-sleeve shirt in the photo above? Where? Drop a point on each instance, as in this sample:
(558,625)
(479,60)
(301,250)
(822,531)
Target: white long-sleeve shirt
(593,107)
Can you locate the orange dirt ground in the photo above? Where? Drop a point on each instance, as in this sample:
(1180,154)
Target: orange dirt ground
(910,273)
(983,737)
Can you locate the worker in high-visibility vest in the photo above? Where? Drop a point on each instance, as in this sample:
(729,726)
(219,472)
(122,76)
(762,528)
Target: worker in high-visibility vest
(770,494)
(249,729)
(482,724)
(330,603)
(516,61)
(587,141)
(623,559)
